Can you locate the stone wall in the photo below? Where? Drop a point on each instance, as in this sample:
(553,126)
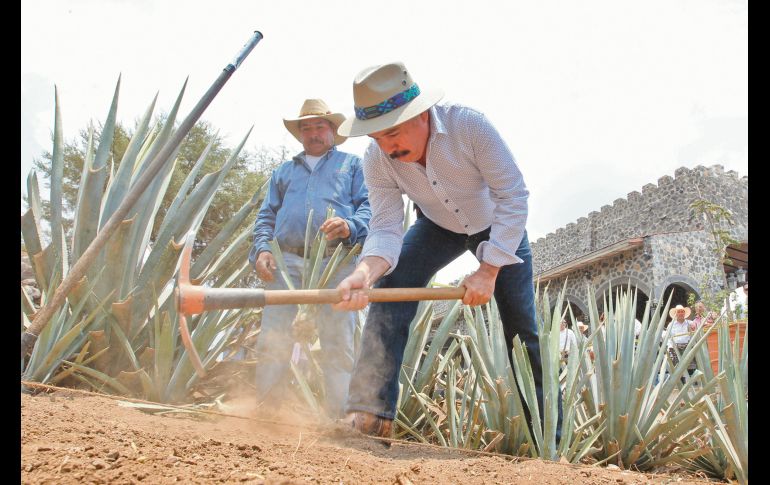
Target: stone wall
(659,208)
(682,258)
(618,269)
(685,258)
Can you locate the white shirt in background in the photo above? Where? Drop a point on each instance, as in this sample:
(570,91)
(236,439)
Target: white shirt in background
(679,333)
(566,338)
(737,297)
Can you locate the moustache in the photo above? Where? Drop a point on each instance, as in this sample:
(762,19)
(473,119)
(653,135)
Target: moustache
(397,155)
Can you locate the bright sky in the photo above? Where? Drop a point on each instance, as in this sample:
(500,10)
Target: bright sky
(595,99)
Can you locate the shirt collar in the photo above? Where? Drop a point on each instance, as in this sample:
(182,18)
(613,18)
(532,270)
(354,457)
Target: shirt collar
(436,124)
(300,157)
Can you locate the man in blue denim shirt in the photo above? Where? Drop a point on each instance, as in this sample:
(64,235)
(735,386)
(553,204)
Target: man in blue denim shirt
(319,177)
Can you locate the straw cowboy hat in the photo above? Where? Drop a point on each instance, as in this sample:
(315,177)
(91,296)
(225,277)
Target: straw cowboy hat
(315,108)
(582,326)
(672,313)
(385,96)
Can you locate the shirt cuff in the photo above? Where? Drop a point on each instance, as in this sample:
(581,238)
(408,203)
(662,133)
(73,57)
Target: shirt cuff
(493,255)
(372,249)
(256,249)
(353,231)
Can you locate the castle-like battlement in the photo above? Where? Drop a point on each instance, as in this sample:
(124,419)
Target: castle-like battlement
(658,208)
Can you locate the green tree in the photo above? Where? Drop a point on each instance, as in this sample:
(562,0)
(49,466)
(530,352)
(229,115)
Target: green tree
(243,180)
(74,156)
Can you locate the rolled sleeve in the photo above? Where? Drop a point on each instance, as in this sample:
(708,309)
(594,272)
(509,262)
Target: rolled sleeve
(386,227)
(265,223)
(359,221)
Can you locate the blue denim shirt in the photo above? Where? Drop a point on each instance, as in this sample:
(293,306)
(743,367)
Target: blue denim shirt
(337,180)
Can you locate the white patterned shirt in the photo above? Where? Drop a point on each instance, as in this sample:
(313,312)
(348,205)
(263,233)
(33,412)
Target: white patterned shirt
(470,182)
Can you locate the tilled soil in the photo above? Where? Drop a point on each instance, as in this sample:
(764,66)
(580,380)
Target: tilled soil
(71,437)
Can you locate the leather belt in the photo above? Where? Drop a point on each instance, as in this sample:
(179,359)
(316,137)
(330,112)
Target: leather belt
(327,252)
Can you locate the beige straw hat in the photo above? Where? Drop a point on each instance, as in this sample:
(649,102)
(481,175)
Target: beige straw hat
(672,312)
(385,96)
(315,108)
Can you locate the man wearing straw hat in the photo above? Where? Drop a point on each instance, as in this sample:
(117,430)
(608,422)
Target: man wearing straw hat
(679,335)
(318,177)
(452,162)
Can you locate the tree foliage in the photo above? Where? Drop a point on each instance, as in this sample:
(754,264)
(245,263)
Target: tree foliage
(243,180)
(718,223)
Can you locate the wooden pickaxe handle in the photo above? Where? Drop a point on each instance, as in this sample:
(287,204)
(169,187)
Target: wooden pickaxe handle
(192,299)
(287,297)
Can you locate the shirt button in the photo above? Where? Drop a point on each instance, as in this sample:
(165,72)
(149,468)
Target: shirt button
(466,225)
(446,201)
(457,210)
(434,182)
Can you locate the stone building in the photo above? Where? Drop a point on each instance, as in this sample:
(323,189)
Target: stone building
(653,239)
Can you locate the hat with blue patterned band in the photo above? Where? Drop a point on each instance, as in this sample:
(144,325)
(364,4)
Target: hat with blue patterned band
(385,96)
(315,108)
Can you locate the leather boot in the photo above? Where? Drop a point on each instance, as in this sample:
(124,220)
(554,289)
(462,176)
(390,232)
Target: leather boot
(371,424)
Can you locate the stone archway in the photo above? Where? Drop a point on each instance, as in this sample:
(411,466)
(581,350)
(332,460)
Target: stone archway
(686,282)
(579,314)
(579,309)
(642,293)
(679,292)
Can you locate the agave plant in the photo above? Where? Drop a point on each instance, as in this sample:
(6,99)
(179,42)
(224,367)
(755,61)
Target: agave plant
(118,325)
(501,400)
(578,433)
(628,401)
(627,406)
(727,442)
(422,381)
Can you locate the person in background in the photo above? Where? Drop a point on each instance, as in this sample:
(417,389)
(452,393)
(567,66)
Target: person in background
(316,178)
(585,333)
(679,335)
(566,340)
(700,316)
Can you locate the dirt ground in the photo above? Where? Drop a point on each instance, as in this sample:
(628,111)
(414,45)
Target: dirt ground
(71,437)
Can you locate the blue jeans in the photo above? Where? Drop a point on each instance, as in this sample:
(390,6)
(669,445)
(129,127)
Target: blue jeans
(427,248)
(275,344)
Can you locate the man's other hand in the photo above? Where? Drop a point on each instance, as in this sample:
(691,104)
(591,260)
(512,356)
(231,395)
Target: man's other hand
(265,266)
(335,228)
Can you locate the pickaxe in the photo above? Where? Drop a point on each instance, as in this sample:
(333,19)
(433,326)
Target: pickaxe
(195,299)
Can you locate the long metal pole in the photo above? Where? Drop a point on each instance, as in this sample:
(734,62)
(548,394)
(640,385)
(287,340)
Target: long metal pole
(79,269)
